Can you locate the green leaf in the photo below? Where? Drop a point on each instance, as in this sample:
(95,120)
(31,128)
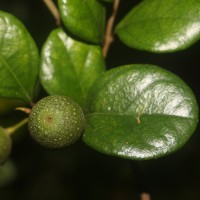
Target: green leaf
(69,67)
(161,26)
(18,59)
(84,19)
(140,112)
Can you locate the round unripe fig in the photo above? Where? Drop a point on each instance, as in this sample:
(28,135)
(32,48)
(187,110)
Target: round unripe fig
(5,146)
(56,122)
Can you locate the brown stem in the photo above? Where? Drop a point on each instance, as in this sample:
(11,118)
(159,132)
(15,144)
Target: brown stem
(24,109)
(54,10)
(145,196)
(31,103)
(109,28)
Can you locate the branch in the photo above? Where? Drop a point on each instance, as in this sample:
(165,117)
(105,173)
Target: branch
(145,196)
(54,10)
(109,28)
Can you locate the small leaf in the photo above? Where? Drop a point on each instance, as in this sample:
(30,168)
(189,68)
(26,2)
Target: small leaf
(84,19)
(140,112)
(18,59)
(69,67)
(161,26)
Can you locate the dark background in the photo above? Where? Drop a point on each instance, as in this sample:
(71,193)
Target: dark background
(79,172)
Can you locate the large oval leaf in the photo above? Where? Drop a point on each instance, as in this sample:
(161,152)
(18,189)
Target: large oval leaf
(18,59)
(161,26)
(140,112)
(84,19)
(69,67)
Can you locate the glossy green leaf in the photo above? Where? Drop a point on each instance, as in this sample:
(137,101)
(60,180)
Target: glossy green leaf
(18,59)
(69,67)
(84,19)
(161,26)
(140,112)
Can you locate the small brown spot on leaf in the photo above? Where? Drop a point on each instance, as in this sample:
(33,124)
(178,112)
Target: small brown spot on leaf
(138,119)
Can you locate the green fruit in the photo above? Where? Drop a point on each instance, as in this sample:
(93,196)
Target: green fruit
(8,173)
(56,122)
(5,146)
